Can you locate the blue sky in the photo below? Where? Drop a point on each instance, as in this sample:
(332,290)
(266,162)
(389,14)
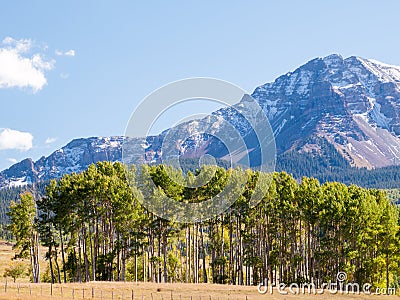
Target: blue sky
(73,69)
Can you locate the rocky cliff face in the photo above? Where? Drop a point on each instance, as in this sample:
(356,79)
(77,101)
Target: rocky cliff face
(352,103)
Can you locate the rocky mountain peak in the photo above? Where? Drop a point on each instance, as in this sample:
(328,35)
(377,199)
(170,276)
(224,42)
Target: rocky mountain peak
(351,103)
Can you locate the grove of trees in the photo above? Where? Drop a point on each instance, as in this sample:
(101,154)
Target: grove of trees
(94,228)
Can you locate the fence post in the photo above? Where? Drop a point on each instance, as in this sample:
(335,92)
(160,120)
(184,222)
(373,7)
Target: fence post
(83,293)
(30,289)
(18,288)
(152,296)
(112,294)
(133,296)
(5,286)
(92,292)
(73,293)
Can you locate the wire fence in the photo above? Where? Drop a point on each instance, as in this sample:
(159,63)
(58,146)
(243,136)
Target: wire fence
(65,291)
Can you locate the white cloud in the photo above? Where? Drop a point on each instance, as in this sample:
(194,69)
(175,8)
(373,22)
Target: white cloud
(39,62)
(50,140)
(12,160)
(17,69)
(70,52)
(22,45)
(14,139)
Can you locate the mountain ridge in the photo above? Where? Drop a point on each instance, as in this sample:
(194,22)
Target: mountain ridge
(76,156)
(360,106)
(352,103)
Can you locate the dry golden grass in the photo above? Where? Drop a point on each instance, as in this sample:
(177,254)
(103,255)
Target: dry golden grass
(142,290)
(6,254)
(177,291)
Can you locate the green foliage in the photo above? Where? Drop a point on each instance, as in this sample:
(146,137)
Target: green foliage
(16,270)
(95,228)
(7,195)
(46,275)
(22,217)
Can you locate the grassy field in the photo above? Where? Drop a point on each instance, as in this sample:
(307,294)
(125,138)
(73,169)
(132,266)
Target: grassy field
(22,289)
(150,291)
(6,254)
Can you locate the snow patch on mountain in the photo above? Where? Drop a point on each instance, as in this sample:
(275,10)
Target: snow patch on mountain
(353,103)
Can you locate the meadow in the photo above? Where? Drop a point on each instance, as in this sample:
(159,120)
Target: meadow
(23,289)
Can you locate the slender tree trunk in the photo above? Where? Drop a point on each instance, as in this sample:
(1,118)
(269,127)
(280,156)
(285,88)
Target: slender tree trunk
(165,244)
(241,279)
(79,259)
(123,260)
(195,255)
(34,251)
(93,247)
(63,256)
(57,265)
(51,264)
(145,265)
(32,261)
(387,269)
(203,252)
(222,249)
(85,254)
(187,253)
(136,268)
(159,251)
(118,257)
(231,267)
(213,247)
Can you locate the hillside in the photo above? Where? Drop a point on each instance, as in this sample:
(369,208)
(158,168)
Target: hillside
(332,118)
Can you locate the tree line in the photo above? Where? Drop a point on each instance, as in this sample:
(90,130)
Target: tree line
(94,228)
(331,166)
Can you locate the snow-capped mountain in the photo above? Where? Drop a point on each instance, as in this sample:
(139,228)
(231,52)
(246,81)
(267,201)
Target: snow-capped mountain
(74,157)
(352,103)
